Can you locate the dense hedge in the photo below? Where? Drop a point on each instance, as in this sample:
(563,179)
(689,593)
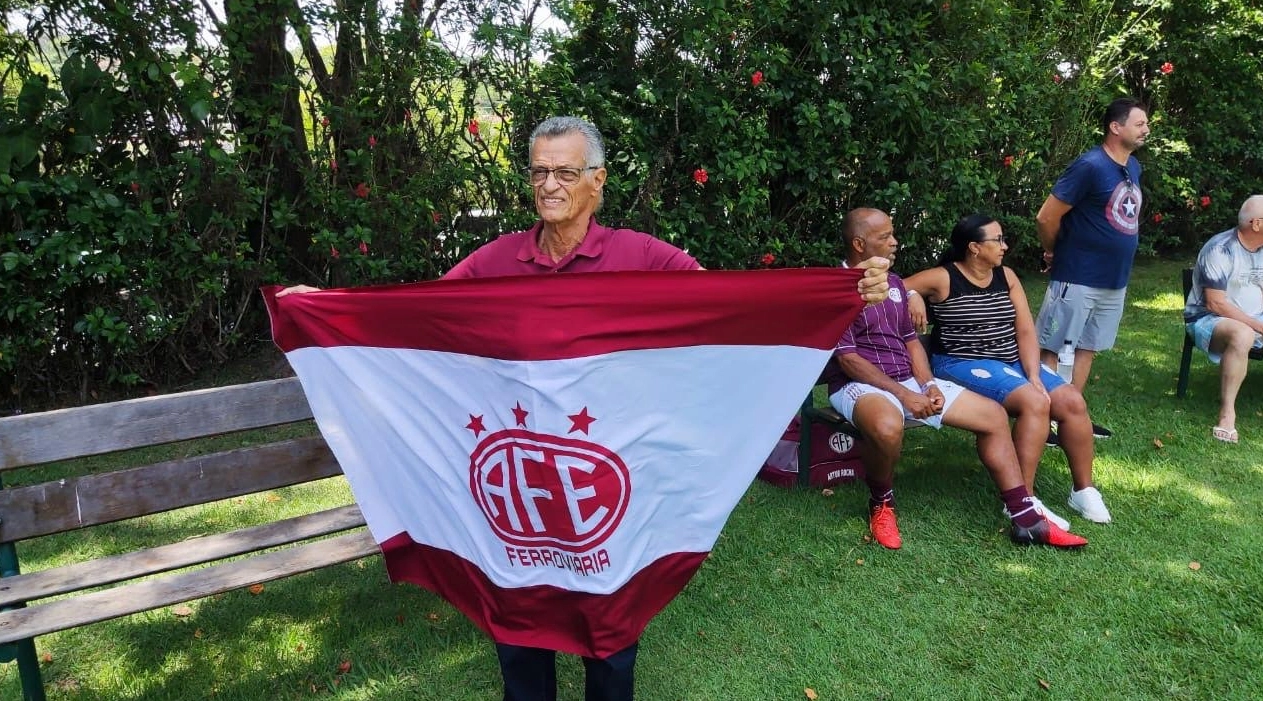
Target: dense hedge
(158,163)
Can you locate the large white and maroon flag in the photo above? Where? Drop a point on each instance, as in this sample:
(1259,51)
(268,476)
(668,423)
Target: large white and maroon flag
(556,455)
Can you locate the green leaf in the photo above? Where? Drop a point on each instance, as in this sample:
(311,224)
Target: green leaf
(72,76)
(32,98)
(22,150)
(98,115)
(200,110)
(81,143)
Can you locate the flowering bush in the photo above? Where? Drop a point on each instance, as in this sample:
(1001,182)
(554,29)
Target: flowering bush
(141,205)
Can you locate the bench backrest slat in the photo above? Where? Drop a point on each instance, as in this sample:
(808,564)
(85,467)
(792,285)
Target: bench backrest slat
(61,505)
(34,439)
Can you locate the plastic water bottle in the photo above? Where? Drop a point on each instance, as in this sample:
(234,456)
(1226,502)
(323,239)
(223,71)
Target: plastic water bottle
(1065,362)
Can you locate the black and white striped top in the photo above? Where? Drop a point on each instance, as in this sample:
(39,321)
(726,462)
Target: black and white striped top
(975,322)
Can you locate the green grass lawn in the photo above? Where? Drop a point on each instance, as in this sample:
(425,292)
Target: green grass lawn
(1166,602)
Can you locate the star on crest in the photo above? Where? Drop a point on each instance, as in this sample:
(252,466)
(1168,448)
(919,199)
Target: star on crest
(520,414)
(1130,207)
(580,421)
(475,425)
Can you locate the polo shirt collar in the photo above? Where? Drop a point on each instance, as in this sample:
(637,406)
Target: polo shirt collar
(592,245)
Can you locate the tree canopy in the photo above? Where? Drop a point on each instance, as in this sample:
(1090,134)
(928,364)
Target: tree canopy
(159,159)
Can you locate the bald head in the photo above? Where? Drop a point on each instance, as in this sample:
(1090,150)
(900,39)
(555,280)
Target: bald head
(1252,209)
(860,229)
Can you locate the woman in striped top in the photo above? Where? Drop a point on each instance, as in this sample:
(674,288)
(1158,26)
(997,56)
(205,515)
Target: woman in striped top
(984,339)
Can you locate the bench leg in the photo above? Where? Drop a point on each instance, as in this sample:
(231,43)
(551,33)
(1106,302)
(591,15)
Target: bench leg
(28,670)
(804,444)
(23,650)
(1186,358)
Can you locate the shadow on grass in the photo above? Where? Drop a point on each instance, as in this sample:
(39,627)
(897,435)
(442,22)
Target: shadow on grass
(290,641)
(1164,602)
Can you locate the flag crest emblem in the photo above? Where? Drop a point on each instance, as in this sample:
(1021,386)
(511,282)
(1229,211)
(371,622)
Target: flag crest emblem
(540,490)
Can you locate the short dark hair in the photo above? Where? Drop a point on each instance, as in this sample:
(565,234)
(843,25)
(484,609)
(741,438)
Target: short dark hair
(1118,111)
(968,230)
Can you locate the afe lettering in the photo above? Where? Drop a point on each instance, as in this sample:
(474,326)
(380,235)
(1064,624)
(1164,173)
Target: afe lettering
(539,490)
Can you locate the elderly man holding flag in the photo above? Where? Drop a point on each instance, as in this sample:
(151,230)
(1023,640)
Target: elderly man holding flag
(555,456)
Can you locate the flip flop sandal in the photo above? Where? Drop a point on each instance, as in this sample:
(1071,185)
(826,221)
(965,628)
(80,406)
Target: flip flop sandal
(1227,435)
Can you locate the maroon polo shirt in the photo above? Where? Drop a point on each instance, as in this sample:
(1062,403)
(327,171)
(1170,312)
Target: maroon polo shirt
(880,335)
(602,250)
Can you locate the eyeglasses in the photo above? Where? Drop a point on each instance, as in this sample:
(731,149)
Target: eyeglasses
(999,239)
(564,176)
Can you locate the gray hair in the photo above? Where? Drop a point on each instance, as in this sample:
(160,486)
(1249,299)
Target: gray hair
(1252,208)
(560,126)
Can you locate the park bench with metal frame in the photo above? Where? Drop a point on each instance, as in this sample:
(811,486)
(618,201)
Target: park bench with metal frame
(96,590)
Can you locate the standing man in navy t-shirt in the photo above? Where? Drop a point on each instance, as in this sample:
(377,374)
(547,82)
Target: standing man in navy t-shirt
(1088,228)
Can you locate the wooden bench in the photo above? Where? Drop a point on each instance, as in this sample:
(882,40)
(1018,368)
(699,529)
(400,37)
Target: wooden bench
(192,568)
(1186,357)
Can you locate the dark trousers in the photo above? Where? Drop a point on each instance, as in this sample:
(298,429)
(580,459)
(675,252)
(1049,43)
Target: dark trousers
(530,674)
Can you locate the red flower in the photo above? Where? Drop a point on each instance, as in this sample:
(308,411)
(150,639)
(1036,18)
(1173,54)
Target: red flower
(372,141)
(1057,77)
(947,6)
(361,190)
(1008,161)
(436,216)
(135,186)
(768,259)
(407,115)
(333,164)
(363,248)
(700,176)
(1167,68)
(333,252)
(1205,201)
(324,122)
(473,128)
(1157,218)
(756,79)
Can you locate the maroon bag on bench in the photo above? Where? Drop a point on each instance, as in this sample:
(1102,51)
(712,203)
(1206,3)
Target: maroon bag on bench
(835,457)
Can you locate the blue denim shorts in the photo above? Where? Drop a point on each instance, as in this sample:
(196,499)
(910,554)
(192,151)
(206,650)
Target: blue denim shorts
(992,379)
(1203,329)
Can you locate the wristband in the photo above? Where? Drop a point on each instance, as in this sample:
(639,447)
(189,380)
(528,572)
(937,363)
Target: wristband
(912,293)
(927,385)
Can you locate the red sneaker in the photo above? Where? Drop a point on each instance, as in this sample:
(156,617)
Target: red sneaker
(882,524)
(1046,533)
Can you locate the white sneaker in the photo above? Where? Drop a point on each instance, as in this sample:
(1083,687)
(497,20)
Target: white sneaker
(1089,503)
(1045,512)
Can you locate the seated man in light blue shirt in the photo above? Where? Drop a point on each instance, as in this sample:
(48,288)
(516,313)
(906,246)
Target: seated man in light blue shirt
(1224,312)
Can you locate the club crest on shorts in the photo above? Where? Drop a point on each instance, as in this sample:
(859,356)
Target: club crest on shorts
(539,490)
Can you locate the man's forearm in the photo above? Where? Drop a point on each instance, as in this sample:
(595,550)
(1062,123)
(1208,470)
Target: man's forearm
(1228,310)
(921,371)
(1047,232)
